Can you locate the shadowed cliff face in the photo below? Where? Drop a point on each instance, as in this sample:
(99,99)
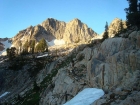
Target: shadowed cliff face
(4,44)
(73,32)
(1,46)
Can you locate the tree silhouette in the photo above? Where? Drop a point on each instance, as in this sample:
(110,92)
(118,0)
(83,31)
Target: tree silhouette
(121,28)
(36,88)
(133,13)
(32,46)
(105,35)
(106,26)
(26,46)
(11,53)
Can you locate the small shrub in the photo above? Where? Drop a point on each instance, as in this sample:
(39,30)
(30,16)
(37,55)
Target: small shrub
(36,88)
(81,57)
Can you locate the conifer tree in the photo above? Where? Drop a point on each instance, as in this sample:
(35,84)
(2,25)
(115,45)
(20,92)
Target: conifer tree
(36,88)
(26,45)
(105,35)
(132,6)
(121,28)
(11,53)
(32,46)
(133,13)
(42,46)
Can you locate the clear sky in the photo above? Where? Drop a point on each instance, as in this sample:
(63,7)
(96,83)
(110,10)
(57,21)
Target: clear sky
(16,15)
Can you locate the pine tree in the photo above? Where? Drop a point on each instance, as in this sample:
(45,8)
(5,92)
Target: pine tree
(106,26)
(133,13)
(8,52)
(11,53)
(36,88)
(26,46)
(132,6)
(42,46)
(121,28)
(32,46)
(105,35)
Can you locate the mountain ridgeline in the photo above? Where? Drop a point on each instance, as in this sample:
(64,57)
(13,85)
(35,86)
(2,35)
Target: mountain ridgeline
(51,29)
(71,32)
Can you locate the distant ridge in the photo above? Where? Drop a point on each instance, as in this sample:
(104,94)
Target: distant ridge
(50,29)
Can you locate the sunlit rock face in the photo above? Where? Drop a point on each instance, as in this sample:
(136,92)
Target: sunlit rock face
(115,26)
(54,27)
(72,32)
(76,31)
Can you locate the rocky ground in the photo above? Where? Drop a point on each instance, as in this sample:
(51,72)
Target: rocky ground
(112,65)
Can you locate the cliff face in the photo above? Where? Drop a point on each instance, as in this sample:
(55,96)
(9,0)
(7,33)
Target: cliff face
(1,47)
(112,65)
(54,27)
(76,31)
(73,32)
(1,44)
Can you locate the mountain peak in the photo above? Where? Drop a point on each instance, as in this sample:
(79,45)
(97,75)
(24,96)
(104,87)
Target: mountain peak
(50,29)
(76,21)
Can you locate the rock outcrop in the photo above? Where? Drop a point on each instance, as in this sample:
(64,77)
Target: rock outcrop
(76,32)
(54,27)
(112,65)
(115,26)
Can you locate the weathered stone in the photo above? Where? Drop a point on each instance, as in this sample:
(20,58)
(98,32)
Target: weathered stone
(99,102)
(68,80)
(112,65)
(76,32)
(87,52)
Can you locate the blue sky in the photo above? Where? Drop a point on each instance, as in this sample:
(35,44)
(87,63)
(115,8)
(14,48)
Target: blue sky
(16,15)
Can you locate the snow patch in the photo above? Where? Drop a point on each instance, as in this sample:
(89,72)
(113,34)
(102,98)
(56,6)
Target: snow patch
(86,97)
(59,42)
(42,56)
(4,94)
(6,44)
(56,42)
(51,43)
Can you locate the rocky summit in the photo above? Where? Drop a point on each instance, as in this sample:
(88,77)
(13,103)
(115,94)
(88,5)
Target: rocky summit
(72,32)
(111,64)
